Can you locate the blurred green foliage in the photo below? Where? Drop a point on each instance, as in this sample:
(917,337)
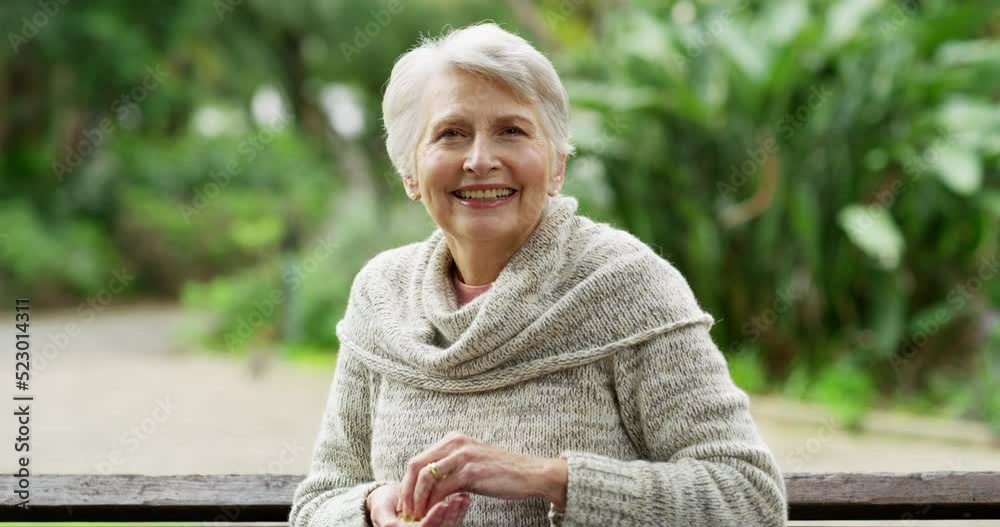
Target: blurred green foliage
(824,173)
(836,162)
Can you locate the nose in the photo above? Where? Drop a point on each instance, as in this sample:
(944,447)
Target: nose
(481,158)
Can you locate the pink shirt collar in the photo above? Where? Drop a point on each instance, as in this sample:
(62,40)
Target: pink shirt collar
(465,293)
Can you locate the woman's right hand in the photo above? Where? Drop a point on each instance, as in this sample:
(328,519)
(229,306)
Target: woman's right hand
(447,513)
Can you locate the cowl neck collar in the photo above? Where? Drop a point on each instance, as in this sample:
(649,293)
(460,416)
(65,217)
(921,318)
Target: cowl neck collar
(574,292)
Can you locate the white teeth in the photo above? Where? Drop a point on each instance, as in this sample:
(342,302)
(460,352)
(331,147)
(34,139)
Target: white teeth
(492,193)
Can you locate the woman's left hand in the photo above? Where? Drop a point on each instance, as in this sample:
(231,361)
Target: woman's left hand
(470,465)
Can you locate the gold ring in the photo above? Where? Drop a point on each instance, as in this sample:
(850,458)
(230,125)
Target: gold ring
(434,471)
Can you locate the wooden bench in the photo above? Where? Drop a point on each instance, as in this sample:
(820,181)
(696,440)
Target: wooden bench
(267,498)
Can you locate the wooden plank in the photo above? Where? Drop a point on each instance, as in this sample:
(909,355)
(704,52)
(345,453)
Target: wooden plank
(891,496)
(267,498)
(137,498)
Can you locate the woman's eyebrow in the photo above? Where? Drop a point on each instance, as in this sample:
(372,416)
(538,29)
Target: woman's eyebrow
(446,119)
(457,119)
(514,118)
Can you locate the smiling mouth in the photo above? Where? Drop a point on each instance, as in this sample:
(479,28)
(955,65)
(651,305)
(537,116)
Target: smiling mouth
(484,195)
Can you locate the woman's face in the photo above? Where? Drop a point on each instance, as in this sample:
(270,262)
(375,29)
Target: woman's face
(479,134)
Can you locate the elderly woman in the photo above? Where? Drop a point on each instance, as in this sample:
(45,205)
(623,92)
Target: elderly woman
(523,365)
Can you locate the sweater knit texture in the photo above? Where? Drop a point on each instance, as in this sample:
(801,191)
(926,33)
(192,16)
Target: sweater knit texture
(588,346)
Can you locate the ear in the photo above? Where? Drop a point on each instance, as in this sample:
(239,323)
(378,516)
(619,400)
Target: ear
(558,177)
(410,183)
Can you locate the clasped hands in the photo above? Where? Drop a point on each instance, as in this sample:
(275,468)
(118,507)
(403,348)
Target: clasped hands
(469,467)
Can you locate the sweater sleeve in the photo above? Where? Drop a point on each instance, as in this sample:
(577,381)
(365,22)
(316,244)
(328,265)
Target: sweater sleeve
(703,463)
(340,476)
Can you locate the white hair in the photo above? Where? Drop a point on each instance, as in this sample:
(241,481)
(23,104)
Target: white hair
(483,49)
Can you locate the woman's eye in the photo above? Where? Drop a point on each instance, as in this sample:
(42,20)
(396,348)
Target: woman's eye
(512,130)
(451,132)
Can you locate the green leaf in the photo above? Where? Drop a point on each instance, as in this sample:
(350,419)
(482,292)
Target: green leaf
(873,230)
(784,20)
(958,167)
(748,53)
(970,52)
(844,19)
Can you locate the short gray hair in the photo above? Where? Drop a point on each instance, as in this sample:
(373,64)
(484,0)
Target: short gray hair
(484,49)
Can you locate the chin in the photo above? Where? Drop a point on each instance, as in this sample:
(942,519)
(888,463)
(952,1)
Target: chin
(485,232)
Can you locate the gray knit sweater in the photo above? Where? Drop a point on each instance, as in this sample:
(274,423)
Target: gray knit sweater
(589,345)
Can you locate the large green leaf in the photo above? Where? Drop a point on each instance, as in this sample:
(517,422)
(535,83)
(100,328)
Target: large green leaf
(845,19)
(958,167)
(872,229)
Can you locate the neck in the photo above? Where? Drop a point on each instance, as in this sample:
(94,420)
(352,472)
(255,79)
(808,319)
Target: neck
(479,262)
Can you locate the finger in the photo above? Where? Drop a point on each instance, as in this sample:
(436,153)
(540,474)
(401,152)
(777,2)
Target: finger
(456,482)
(435,517)
(384,516)
(456,512)
(436,452)
(451,512)
(428,485)
(404,492)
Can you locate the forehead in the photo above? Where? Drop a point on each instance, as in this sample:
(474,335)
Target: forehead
(456,93)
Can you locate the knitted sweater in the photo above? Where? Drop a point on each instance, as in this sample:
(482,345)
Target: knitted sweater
(588,346)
